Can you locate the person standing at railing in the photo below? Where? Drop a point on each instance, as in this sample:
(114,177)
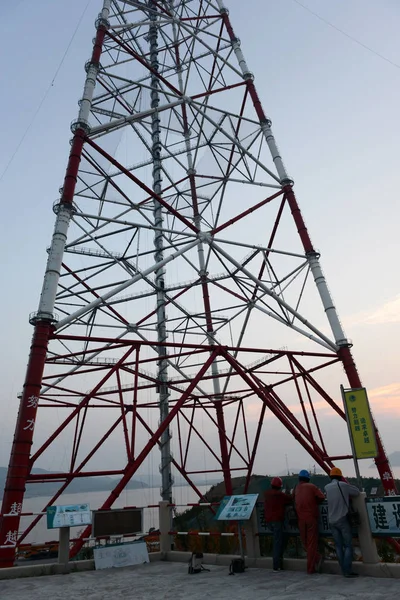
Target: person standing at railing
(338,494)
(307,498)
(275,502)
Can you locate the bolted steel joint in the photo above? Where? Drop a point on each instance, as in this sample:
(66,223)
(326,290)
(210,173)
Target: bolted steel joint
(59,204)
(205,237)
(100,22)
(36,317)
(313,255)
(80,124)
(287,181)
(248,76)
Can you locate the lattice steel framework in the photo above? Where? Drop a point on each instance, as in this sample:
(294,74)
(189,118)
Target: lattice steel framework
(181,279)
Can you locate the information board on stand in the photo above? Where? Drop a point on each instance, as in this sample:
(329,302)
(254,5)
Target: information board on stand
(68,515)
(236,508)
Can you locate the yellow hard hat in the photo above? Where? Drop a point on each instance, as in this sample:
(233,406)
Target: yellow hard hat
(335,472)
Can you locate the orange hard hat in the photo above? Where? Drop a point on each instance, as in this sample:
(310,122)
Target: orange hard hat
(335,472)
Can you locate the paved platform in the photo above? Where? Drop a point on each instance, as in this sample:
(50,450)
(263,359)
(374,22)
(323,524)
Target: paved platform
(170,581)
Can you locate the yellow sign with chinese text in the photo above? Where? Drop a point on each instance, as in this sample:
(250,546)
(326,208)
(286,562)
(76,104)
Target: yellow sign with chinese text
(360,423)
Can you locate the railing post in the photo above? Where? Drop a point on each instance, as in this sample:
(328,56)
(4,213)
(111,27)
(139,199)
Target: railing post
(63,546)
(368,549)
(252,539)
(165,526)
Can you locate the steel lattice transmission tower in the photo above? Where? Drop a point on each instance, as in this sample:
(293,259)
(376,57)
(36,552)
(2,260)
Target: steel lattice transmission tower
(182,293)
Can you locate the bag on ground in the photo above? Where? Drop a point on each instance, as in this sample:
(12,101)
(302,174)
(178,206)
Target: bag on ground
(237,566)
(195,564)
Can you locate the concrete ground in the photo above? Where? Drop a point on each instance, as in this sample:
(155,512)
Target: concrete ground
(170,581)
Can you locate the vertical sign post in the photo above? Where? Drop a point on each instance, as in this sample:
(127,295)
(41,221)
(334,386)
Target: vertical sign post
(237,508)
(360,426)
(64,517)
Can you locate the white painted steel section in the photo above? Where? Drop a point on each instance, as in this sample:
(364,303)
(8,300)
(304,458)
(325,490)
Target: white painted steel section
(159,279)
(85,309)
(329,307)
(88,91)
(276,157)
(106,127)
(198,222)
(306,334)
(266,126)
(232,139)
(266,289)
(327,301)
(53,268)
(91,76)
(236,45)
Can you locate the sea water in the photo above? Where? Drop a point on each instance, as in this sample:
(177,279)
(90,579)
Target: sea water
(140,498)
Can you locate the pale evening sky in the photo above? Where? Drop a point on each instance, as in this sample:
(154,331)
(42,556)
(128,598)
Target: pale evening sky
(334,108)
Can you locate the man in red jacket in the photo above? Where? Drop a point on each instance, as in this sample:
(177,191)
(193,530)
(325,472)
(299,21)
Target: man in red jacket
(275,502)
(307,498)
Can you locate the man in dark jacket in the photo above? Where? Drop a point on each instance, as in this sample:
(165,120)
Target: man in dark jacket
(275,502)
(307,498)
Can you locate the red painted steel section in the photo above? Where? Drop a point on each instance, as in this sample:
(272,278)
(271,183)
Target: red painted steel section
(69,477)
(83,403)
(98,44)
(19,466)
(208,316)
(255,446)
(20,463)
(381,461)
(128,342)
(224,447)
(133,466)
(311,403)
(176,465)
(265,395)
(247,212)
(73,166)
(298,219)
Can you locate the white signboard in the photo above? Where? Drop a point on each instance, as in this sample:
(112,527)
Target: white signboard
(121,555)
(237,508)
(69,515)
(384,515)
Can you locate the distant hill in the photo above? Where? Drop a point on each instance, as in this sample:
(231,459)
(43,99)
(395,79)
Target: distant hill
(260,483)
(87,484)
(154,479)
(97,484)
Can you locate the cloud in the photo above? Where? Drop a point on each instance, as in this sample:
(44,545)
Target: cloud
(387,313)
(386,399)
